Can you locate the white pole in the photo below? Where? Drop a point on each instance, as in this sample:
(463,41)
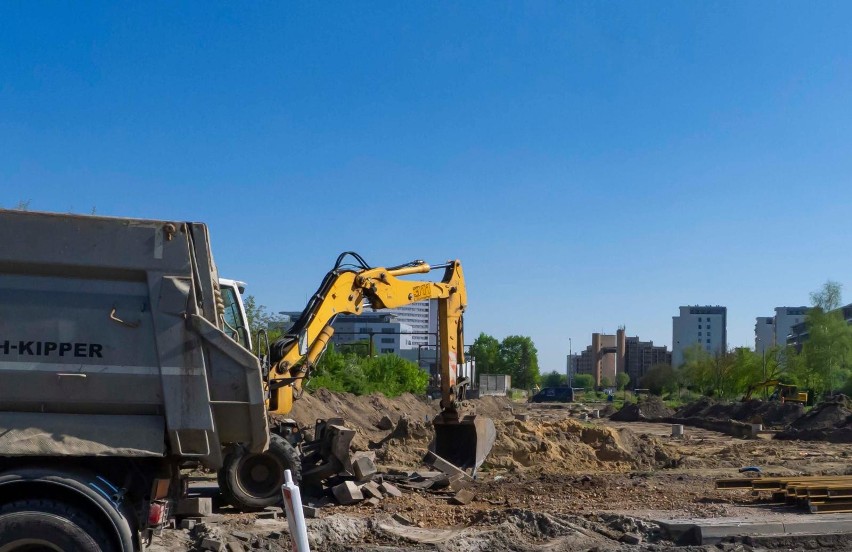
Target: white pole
(295,514)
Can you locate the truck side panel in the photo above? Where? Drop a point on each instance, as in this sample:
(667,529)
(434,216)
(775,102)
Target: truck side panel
(96,320)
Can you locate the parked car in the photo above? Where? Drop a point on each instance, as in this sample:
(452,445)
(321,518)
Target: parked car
(554,394)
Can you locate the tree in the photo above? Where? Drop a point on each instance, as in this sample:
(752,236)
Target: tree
(554,379)
(259,317)
(660,379)
(699,370)
(519,358)
(829,297)
(823,363)
(486,351)
(606,382)
(584,381)
(621,380)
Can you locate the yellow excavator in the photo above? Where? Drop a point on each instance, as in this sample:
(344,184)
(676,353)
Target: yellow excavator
(251,480)
(780,392)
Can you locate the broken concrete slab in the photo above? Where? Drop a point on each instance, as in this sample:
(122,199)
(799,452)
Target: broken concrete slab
(373,501)
(402,519)
(463,497)
(390,489)
(371,489)
(347,493)
(457,482)
(212,544)
(385,423)
(445,466)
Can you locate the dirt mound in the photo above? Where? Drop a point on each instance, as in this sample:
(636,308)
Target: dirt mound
(755,411)
(568,445)
(828,421)
(648,409)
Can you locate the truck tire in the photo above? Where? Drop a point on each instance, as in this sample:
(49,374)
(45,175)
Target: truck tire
(250,481)
(49,525)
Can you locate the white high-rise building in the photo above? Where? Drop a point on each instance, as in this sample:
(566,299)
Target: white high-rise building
(771,331)
(706,326)
(423,319)
(764,333)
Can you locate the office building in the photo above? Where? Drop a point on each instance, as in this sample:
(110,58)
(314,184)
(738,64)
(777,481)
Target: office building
(611,354)
(704,326)
(772,331)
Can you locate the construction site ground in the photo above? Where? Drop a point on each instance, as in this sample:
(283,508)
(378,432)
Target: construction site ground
(554,481)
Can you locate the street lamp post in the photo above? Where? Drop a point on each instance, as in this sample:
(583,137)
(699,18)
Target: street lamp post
(570,360)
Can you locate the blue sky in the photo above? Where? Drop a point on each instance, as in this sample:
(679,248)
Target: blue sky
(591,164)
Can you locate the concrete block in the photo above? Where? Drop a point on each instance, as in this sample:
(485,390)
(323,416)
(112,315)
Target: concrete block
(371,489)
(239,535)
(363,468)
(390,489)
(234,546)
(347,493)
(188,524)
(443,465)
(522,417)
(400,518)
(458,483)
(269,512)
(311,512)
(373,501)
(212,544)
(464,496)
(195,507)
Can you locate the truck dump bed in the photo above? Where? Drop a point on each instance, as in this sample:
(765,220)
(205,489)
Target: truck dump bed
(110,342)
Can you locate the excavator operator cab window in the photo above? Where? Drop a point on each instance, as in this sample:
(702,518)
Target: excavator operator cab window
(235,324)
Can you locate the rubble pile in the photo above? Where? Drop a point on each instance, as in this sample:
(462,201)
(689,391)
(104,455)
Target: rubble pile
(754,411)
(828,421)
(647,409)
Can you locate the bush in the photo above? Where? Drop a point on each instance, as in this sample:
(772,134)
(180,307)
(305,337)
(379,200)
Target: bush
(390,375)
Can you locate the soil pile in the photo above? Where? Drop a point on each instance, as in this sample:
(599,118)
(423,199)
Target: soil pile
(567,445)
(828,421)
(707,412)
(648,409)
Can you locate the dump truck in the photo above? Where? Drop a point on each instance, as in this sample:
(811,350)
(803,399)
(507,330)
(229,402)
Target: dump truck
(114,370)
(123,359)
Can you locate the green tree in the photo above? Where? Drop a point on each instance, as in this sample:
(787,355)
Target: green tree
(486,351)
(698,371)
(259,318)
(519,358)
(829,297)
(554,379)
(827,354)
(660,379)
(584,381)
(387,374)
(621,380)
(606,382)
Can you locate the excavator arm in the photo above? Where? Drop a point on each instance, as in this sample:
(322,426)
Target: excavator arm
(345,291)
(460,436)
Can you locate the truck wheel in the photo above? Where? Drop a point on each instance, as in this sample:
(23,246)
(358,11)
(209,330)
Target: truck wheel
(49,525)
(250,481)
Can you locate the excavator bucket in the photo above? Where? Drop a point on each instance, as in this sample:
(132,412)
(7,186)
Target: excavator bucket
(465,443)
